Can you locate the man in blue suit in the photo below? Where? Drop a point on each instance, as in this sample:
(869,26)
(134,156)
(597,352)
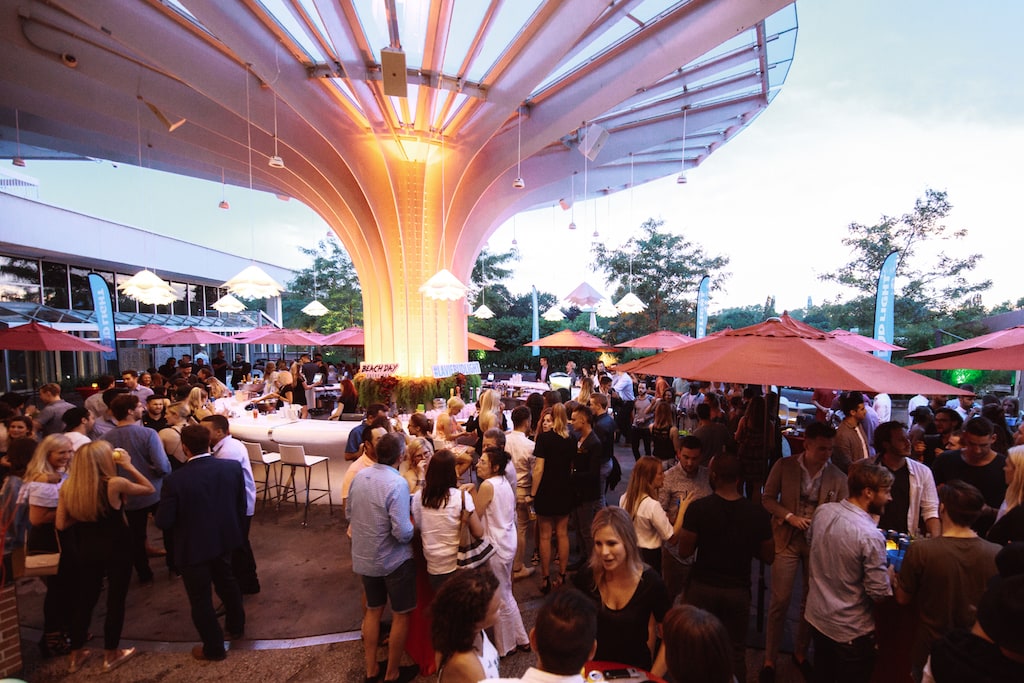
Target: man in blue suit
(204,503)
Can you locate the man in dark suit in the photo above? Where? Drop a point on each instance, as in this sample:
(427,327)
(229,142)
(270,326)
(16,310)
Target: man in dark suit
(203,503)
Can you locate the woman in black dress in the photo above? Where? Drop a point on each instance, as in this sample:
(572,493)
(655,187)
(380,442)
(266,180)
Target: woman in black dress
(551,492)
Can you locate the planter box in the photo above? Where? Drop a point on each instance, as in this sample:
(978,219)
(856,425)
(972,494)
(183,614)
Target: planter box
(10,633)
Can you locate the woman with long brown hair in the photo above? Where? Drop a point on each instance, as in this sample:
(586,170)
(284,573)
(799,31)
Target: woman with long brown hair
(91,509)
(552,472)
(649,519)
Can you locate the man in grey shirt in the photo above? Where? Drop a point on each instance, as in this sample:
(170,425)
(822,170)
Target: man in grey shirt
(848,575)
(49,421)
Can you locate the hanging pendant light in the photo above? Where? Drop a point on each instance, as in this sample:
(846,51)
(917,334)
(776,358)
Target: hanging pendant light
(514,240)
(17,160)
(228,304)
(631,304)
(443,285)
(572,215)
(275,161)
(223,192)
(682,164)
(252,282)
(519,183)
(606,309)
(554,314)
(483,312)
(315,309)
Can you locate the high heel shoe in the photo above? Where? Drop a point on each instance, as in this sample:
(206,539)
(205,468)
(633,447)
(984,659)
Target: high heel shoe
(120,658)
(545,585)
(76,659)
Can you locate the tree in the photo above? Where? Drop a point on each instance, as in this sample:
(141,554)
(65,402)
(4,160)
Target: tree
(486,281)
(929,284)
(333,281)
(664,270)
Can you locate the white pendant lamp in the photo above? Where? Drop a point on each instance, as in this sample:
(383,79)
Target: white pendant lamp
(443,285)
(553,314)
(145,286)
(606,309)
(228,304)
(681,179)
(315,308)
(483,312)
(519,183)
(631,304)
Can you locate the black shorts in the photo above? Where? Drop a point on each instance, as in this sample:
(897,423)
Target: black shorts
(398,587)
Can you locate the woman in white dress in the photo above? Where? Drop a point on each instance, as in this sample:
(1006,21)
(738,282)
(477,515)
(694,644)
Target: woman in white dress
(495,502)
(465,606)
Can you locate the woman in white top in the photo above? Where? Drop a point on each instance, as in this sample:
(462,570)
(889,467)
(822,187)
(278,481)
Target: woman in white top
(649,519)
(462,609)
(496,503)
(438,511)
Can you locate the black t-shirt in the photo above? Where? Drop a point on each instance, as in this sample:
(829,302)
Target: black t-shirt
(586,475)
(895,516)
(729,535)
(604,427)
(989,479)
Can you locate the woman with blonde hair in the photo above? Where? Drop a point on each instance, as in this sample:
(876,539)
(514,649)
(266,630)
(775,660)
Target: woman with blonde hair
(649,519)
(197,402)
(177,415)
(490,412)
(43,478)
(417,451)
(631,599)
(447,427)
(552,471)
(1009,526)
(586,389)
(91,511)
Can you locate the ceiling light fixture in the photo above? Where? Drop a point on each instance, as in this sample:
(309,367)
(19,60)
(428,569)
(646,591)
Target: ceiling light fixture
(518,183)
(443,285)
(315,309)
(572,216)
(682,164)
(223,192)
(228,304)
(18,160)
(252,282)
(275,161)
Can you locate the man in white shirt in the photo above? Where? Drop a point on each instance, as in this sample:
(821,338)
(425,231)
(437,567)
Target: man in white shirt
(520,448)
(883,407)
(225,447)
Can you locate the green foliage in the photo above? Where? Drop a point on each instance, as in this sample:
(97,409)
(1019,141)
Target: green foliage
(333,281)
(408,392)
(664,270)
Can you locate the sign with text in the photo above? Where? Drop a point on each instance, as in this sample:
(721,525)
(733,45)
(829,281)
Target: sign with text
(378,370)
(449,369)
(104,314)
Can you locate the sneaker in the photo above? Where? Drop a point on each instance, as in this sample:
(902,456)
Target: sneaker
(767,675)
(522,573)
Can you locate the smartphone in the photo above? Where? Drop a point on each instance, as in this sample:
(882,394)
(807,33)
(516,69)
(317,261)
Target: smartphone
(612,674)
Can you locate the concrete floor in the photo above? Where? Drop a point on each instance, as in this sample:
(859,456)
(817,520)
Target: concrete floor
(302,626)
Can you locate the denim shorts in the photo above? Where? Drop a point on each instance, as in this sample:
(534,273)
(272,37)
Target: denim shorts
(399,587)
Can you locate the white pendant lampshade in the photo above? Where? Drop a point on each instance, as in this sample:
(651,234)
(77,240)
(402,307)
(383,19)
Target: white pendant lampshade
(443,286)
(606,309)
(630,304)
(228,304)
(483,312)
(315,308)
(253,283)
(554,314)
(145,286)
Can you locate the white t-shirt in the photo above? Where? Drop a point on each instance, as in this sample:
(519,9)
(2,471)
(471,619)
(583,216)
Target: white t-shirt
(439,530)
(651,523)
(500,518)
(77,439)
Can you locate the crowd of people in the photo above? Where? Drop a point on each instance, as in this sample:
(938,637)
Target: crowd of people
(473,507)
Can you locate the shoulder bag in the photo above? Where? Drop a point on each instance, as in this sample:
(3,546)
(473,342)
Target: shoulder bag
(472,552)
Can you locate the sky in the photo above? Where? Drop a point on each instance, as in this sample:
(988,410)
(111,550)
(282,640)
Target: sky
(883,101)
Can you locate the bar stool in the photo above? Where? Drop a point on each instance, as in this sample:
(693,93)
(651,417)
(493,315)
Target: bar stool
(293,457)
(260,457)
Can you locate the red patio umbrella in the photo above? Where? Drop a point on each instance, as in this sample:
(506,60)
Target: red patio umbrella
(1003,358)
(478,342)
(862,343)
(145,332)
(350,336)
(1011,336)
(284,337)
(784,352)
(35,337)
(254,332)
(662,339)
(190,335)
(573,339)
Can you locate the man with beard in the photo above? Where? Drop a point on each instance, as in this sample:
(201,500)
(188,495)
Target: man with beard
(848,575)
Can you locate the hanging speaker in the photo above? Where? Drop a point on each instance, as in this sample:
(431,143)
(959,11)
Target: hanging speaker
(392,66)
(593,141)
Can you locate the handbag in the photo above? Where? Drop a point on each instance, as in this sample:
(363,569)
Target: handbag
(472,552)
(27,562)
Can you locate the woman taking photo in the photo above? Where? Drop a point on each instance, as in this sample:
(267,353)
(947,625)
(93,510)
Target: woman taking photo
(43,478)
(552,472)
(462,609)
(91,512)
(439,510)
(631,599)
(495,502)
(649,519)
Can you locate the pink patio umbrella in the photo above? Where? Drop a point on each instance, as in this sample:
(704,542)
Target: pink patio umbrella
(350,336)
(862,343)
(1011,336)
(1002,358)
(190,335)
(36,337)
(283,337)
(254,332)
(145,332)
(662,339)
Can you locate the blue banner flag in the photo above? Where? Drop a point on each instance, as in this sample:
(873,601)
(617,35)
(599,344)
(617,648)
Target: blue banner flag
(536,324)
(703,297)
(885,302)
(104,314)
